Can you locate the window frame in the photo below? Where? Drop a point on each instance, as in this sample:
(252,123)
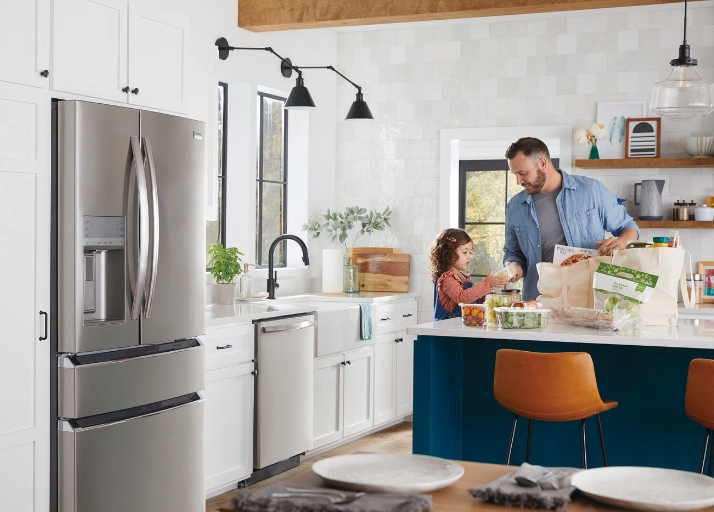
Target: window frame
(222,175)
(484,165)
(259,182)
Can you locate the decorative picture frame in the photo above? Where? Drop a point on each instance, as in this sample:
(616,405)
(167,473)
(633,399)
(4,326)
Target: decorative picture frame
(642,137)
(612,115)
(706,268)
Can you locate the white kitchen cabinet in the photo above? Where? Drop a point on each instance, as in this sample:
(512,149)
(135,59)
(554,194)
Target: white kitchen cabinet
(25,34)
(343,395)
(394,360)
(24,280)
(120,51)
(229,395)
(228,426)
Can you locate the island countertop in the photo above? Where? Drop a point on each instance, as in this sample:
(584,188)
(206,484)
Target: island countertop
(688,333)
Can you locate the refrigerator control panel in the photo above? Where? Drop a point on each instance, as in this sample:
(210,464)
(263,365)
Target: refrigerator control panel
(103,233)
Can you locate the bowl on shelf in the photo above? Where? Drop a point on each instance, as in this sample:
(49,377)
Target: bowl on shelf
(704,213)
(698,146)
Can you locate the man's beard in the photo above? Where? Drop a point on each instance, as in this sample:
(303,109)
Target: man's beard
(537,185)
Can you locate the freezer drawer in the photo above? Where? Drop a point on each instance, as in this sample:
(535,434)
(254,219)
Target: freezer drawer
(147,463)
(97,383)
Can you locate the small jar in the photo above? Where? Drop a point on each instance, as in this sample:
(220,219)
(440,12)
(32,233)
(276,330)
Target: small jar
(698,283)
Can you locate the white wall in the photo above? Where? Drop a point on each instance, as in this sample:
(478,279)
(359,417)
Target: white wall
(535,70)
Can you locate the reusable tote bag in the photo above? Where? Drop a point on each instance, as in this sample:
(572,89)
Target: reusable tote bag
(668,264)
(570,286)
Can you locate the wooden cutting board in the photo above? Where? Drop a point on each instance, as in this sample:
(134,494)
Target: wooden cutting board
(382,269)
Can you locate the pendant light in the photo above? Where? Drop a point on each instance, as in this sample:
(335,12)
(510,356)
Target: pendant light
(359,109)
(299,98)
(683,95)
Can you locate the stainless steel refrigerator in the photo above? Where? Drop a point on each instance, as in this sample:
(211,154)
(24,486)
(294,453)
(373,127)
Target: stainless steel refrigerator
(128,295)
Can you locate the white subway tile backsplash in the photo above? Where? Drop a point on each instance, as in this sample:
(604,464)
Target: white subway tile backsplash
(628,82)
(480,30)
(639,20)
(517,66)
(538,27)
(587,24)
(546,85)
(527,46)
(397,54)
(586,84)
(628,40)
(405,111)
(567,44)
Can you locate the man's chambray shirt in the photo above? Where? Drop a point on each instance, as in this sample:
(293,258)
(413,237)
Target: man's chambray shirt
(587,209)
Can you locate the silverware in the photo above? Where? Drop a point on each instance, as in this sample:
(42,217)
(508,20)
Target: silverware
(527,481)
(334,499)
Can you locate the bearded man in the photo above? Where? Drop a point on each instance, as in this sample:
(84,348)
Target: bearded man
(557,208)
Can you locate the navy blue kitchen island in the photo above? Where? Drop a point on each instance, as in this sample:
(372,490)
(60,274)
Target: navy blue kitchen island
(457,417)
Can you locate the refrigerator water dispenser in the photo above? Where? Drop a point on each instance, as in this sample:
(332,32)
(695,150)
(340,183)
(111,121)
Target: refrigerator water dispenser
(104,290)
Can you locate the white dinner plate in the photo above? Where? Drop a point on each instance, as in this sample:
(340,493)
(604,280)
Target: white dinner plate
(388,472)
(643,488)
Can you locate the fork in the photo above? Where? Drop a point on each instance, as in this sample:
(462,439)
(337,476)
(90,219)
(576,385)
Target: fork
(550,482)
(334,499)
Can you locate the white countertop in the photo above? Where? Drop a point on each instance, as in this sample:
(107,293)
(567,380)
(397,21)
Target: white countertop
(688,333)
(259,309)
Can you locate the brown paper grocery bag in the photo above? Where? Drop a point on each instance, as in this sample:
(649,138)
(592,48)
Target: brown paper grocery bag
(570,286)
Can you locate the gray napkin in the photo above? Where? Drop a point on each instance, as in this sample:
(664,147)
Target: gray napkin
(261,501)
(505,490)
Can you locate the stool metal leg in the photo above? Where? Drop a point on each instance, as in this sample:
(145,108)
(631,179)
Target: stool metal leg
(528,440)
(711,459)
(510,443)
(582,432)
(602,440)
(704,450)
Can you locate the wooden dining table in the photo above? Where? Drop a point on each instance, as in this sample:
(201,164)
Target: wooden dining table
(456,496)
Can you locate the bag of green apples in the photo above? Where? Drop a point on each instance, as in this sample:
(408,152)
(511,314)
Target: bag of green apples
(620,291)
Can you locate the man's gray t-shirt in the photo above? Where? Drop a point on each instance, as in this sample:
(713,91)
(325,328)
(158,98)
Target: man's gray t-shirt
(551,230)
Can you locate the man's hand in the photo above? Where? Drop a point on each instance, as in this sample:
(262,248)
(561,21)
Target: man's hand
(519,271)
(606,246)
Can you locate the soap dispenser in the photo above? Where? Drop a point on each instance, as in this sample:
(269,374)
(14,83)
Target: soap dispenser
(245,283)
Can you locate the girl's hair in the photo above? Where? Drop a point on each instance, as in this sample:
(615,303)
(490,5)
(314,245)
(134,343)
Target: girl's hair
(442,253)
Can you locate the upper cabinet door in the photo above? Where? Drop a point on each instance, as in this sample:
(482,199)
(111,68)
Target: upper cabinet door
(90,48)
(157,58)
(25,28)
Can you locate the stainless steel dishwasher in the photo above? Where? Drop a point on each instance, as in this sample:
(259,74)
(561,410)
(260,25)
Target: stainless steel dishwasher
(284,350)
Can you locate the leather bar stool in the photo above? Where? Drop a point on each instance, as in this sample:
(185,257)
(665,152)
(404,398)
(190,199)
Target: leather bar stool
(699,401)
(550,387)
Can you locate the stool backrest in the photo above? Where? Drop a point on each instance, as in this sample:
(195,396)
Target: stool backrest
(699,396)
(551,386)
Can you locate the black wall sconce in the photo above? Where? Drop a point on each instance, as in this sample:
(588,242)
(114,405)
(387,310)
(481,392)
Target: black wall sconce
(299,97)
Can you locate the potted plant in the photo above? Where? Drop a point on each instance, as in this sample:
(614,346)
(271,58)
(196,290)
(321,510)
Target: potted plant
(225,265)
(338,227)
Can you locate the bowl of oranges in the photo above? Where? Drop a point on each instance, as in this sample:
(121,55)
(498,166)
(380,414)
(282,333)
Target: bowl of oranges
(473,315)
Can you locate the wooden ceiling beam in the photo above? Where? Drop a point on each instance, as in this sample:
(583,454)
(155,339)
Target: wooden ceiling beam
(272,15)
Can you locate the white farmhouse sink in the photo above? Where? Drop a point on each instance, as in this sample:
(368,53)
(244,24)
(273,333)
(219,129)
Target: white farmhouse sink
(337,327)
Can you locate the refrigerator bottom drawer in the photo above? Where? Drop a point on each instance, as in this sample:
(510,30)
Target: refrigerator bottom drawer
(146,463)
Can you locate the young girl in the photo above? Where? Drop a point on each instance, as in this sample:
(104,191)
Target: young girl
(449,259)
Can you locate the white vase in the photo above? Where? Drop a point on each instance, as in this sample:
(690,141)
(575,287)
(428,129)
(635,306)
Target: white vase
(226,293)
(332,270)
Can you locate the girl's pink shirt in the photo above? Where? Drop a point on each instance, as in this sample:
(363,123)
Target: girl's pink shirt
(451,291)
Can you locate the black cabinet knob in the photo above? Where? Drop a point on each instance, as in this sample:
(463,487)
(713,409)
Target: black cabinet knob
(45,73)
(135,90)
(348,362)
(254,372)
(125,89)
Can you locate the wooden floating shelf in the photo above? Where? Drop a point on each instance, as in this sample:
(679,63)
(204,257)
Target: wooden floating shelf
(637,163)
(677,224)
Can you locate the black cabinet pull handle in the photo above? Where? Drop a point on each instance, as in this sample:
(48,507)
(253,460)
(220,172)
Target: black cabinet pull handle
(407,315)
(349,362)
(135,90)
(399,340)
(125,89)
(45,73)
(254,372)
(44,313)
(385,319)
(224,347)
(343,363)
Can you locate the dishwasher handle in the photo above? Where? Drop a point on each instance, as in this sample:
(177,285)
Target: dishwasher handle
(288,327)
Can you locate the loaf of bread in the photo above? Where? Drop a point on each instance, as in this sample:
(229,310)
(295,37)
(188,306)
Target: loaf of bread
(584,317)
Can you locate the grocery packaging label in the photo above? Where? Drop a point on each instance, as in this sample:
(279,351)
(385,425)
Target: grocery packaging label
(565,255)
(635,285)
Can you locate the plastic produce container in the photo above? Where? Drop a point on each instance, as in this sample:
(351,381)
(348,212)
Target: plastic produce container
(473,315)
(496,300)
(519,318)
(704,213)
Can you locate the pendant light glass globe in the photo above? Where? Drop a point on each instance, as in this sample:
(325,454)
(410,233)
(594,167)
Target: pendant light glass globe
(683,95)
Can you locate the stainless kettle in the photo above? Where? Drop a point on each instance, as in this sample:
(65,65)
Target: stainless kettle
(651,200)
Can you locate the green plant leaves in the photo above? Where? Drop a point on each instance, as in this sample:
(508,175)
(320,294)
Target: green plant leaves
(337,226)
(225,263)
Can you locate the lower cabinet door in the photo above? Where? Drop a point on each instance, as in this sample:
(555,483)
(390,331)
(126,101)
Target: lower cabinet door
(384,378)
(229,425)
(327,400)
(358,390)
(405,374)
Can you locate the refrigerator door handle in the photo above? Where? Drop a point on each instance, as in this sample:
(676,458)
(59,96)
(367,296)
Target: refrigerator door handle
(137,180)
(154,232)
